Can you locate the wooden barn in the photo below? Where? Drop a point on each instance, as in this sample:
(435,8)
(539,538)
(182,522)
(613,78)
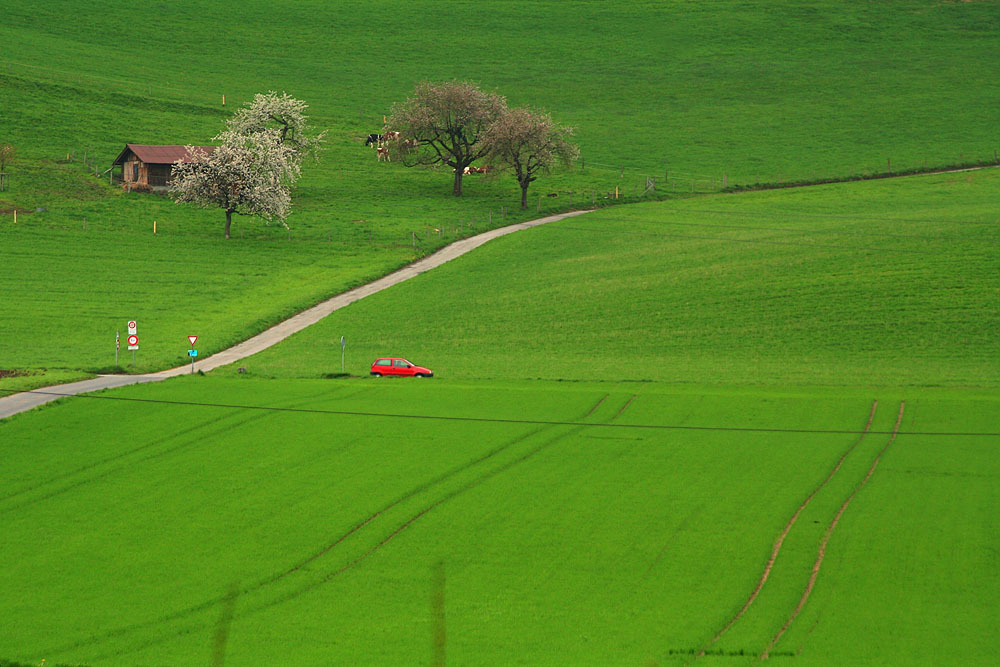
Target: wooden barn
(150,166)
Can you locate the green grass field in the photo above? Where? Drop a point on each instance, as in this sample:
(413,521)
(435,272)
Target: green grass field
(876,283)
(580,512)
(693,430)
(559,543)
(796,92)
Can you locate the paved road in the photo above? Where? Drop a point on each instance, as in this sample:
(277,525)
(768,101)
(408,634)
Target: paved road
(11,405)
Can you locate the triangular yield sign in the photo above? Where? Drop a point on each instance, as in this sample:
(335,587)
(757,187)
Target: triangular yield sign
(192,339)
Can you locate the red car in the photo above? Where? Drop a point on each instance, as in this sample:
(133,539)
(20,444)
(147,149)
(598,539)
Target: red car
(396,366)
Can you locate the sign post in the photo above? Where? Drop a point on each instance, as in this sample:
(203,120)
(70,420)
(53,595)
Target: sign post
(118,345)
(133,339)
(343,346)
(192,352)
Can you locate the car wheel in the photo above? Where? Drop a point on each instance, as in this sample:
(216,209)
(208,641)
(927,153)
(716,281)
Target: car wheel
(418,375)
(378,375)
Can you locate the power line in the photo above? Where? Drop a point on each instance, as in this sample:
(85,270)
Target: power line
(497,420)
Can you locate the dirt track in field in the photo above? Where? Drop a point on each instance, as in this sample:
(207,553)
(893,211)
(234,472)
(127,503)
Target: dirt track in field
(826,538)
(784,533)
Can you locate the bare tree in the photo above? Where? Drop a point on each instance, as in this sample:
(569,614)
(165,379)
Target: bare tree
(7,155)
(442,123)
(255,166)
(527,143)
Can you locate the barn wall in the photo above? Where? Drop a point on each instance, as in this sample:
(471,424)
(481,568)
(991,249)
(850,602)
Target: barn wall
(129,168)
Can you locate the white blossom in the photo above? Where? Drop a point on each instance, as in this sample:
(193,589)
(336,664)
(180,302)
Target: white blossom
(255,165)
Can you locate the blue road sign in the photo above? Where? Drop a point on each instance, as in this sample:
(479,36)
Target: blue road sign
(192,353)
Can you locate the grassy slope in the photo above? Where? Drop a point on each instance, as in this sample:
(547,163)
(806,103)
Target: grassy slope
(567,545)
(877,283)
(560,544)
(792,92)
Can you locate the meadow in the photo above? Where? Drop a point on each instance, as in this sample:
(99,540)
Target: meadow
(569,523)
(706,96)
(877,283)
(566,512)
(699,428)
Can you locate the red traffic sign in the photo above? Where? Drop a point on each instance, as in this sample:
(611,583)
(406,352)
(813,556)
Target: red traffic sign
(192,339)
(133,340)
(131,326)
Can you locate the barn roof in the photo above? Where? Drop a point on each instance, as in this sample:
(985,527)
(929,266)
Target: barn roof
(158,154)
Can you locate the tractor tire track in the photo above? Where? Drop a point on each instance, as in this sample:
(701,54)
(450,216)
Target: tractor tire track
(117,457)
(258,585)
(302,590)
(124,466)
(624,407)
(445,498)
(262,583)
(776,549)
(821,554)
(111,459)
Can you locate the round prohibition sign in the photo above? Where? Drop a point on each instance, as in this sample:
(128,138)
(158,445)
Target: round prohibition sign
(133,340)
(131,325)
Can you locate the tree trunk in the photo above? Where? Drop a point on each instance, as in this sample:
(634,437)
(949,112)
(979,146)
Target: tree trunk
(524,196)
(229,220)
(457,190)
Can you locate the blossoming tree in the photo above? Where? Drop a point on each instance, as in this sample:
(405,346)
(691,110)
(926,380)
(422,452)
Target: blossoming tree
(257,162)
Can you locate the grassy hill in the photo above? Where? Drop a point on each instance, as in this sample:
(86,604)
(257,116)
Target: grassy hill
(572,521)
(888,282)
(705,95)
(633,408)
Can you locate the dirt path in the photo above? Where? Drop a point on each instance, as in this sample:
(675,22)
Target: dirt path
(12,405)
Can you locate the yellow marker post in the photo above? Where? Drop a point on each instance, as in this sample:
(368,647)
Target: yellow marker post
(223,100)
(15,216)
(154,227)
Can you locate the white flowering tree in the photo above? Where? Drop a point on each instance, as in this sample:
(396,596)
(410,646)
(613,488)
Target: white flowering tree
(283,113)
(257,162)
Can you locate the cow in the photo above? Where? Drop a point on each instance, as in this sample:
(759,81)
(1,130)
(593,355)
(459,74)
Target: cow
(383,153)
(373,140)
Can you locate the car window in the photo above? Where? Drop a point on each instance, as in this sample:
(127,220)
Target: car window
(401,364)
(383,362)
